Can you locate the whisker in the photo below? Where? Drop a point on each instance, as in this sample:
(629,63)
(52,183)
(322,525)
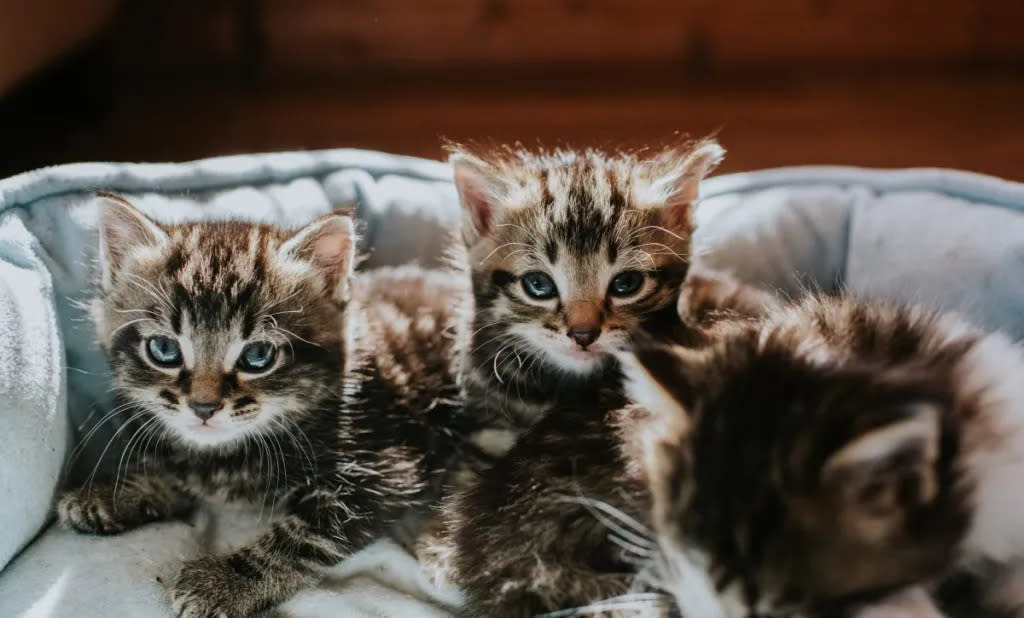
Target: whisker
(497,356)
(92,476)
(288,332)
(508,244)
(603,510)
(639,601)
(129,323)
(126,453)
(659,228)
(631,548)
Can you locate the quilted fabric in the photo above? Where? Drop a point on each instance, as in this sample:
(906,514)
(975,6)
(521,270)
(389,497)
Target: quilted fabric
(946,238)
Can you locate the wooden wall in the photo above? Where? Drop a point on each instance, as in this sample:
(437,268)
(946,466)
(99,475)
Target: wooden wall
(886,83)
(292,38)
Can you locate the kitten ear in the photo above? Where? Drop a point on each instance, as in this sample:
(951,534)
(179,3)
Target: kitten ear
(676,183)
(877,476)
(329,245)
(123,230)
(479,192)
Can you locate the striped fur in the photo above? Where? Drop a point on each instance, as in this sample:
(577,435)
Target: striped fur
(560,496)
(834,457)
(352,429)
(580,218)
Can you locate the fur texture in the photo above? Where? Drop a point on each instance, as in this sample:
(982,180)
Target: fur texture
(350,425)
(569,252)
(562,520)
(834,458)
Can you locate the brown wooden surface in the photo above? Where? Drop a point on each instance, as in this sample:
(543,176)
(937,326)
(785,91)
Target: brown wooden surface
(322,37)
(783,82)
(35,32)
(962,122)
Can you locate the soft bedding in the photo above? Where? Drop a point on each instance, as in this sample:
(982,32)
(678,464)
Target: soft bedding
(948,239)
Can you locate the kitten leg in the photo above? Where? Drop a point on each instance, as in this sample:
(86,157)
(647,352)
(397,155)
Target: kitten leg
(320,531)
(111,509)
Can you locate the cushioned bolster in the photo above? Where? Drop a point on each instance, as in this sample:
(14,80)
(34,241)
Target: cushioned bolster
(32,389)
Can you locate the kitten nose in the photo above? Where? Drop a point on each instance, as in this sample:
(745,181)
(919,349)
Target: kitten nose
(204,410)
(584,336)
(584,321)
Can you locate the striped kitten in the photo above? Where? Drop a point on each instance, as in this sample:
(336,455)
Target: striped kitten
(533,533)
(834,460)
(569,252)
(250,363)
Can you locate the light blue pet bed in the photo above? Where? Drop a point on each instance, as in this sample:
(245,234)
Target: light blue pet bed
(949,239)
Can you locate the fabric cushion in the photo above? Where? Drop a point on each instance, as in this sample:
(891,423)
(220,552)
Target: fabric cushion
(32,387)
(952,239)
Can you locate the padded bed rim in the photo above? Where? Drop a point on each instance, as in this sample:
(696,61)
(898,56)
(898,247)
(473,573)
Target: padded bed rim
(239,170)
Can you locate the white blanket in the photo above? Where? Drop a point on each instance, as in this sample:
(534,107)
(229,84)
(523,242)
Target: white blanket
(950,239)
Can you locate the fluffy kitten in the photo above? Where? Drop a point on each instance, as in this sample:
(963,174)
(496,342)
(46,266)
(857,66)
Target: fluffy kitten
(569,252)
(250,362)
(833,460)
(538,531)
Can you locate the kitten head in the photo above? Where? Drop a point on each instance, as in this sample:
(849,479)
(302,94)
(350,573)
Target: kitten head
(571,250)
(802,475)
(220,330)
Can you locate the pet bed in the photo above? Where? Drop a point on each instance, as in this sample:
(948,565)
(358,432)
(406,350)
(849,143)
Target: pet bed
(949,239)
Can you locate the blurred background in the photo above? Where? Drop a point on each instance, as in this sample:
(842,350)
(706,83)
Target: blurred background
(888,83)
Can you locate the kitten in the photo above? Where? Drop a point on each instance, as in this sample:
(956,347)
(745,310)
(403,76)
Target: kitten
(251,363)
(834,459)
(539,531)
(569,251)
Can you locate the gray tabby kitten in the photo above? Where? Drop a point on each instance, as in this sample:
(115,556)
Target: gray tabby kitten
(569,252)
(250,362)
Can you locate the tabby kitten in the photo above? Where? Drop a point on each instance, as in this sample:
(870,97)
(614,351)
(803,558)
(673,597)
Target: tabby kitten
(833,460)
(569,252)
(270,373)
(537,532)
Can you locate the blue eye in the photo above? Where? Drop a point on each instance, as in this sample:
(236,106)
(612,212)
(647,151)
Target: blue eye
(257,356)
(626,283)
(164,351)
(539,285)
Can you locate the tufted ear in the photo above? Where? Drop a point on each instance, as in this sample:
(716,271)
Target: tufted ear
(675,179)
(123,232)
(328,244)
(480,190)
(876,477)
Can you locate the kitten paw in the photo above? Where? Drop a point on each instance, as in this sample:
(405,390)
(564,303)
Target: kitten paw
(209,588)
(101,510)
(90,513)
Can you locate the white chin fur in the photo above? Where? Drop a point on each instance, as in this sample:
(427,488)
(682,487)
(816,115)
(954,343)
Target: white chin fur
(220,430)
(559,351)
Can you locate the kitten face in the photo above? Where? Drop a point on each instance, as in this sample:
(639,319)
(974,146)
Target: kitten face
(217,331)
(806,460)
(571,251)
